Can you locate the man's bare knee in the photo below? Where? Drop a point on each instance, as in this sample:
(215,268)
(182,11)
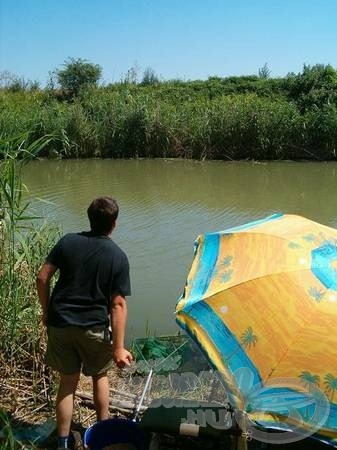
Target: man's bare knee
(98,377)
(68,383)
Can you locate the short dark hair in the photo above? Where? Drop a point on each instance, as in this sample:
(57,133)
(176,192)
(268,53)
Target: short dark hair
(102,213)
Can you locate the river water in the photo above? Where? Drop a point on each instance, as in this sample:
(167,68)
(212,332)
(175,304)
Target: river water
(166,204)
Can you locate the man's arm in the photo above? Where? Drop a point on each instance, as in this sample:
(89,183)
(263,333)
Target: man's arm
(43,287)
(118,313)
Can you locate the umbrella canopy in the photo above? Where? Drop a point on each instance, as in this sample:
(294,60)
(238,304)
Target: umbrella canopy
(261,302)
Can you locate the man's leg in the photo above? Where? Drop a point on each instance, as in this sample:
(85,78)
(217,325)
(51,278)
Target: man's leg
(100,384)
(65,403)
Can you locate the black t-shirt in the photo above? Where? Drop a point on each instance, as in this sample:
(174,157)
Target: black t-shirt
(92,270)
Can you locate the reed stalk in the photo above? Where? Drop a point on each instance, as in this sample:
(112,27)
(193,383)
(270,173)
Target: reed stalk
(23,246)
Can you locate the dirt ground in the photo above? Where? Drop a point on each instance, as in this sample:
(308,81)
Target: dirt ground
(26,415)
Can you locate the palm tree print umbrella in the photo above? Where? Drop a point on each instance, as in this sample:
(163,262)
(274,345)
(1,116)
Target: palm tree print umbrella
(262,298)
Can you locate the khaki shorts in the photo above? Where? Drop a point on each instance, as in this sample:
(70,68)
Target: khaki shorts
(71,349)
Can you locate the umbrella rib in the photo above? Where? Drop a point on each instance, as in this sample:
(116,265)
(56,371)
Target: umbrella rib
(306,322)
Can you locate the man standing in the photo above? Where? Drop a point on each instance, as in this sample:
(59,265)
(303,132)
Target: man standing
(93,284)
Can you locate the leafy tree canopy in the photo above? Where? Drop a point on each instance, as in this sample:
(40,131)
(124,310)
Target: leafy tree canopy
(77,73)
(314,87)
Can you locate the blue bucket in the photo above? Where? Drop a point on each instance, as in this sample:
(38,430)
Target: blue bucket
(115,431)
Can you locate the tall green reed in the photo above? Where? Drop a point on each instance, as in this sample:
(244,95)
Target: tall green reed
(234,118)
(23,246)
(14,214)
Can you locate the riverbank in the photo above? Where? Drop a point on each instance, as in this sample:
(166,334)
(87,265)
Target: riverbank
(41,426)
(233,118)
(19,419)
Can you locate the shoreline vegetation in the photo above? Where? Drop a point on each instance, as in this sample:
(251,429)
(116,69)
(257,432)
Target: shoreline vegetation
(233,118)
(25,384)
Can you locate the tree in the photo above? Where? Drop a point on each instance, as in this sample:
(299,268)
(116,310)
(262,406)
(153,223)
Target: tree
(264,71)
(315,87)
(76,74)
(309,380)
(248,339)
(149,77)
(14,83)
(7,79)
(131,76)
(330,383)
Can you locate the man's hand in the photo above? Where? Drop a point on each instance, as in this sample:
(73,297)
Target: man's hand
(122,357)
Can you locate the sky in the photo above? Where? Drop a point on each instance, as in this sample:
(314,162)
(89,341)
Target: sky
(185,39)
